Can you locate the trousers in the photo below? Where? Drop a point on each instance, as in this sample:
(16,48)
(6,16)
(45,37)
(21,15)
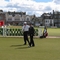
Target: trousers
(26,37)
(31,41)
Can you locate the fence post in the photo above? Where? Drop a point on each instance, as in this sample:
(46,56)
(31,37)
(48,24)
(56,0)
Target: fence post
(4,31)
(39,31)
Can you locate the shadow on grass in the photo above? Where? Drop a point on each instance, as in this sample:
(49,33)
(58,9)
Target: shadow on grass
(23,47)
(20,46)
(16,45)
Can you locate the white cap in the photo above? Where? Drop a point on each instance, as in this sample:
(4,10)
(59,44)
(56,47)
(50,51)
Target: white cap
(25,22)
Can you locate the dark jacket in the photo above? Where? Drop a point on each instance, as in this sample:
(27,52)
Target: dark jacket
(31,31)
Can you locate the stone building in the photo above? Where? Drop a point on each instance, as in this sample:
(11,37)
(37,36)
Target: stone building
(56,18)
(17,18)
(47,19)
(51,19)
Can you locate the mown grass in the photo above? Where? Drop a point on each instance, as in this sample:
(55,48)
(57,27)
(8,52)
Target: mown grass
(15,27)
(53,31)
(45,49)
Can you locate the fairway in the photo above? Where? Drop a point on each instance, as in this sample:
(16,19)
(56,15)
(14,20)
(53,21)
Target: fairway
(45,49)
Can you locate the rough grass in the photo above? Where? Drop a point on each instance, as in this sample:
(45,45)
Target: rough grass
(45,49)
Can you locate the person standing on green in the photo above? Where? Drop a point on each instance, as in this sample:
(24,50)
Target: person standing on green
(25,30)
(31,33)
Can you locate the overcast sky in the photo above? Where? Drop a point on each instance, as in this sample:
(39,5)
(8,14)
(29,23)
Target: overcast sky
(31,7)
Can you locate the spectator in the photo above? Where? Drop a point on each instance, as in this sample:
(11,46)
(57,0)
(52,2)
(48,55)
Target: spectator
(45,33)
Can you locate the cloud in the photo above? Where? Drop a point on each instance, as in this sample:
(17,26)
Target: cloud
(57,1)
(29,6)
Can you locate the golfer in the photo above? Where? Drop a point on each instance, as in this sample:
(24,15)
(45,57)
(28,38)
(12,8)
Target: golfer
(25,30)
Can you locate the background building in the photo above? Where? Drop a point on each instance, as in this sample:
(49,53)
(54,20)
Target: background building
(2,18)
(51,19)
(18,18)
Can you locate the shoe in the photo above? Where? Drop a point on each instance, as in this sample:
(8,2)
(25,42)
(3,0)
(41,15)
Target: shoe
(30,44)
(24,44)
(33,45)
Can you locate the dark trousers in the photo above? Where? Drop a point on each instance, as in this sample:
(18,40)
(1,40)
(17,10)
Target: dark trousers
(26,37)
(31,41)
